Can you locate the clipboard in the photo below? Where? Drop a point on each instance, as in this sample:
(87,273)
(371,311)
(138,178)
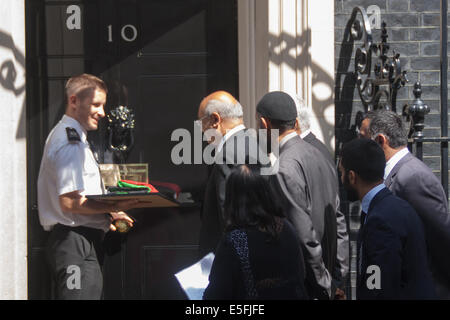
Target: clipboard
(148,200)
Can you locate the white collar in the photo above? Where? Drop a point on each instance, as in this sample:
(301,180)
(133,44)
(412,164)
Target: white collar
(228,135)
(287,138)
(305,133)
(273,159)
(394,160)
(73,123)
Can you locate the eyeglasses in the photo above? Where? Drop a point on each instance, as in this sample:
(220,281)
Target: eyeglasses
(199,122)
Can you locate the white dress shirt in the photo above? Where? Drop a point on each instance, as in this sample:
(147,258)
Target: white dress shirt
(394,160)
(272,157)
(305,133)
(287,138)
(67,167)
(228,135)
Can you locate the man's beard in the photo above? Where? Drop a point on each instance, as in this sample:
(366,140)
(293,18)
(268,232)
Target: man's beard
(352,195)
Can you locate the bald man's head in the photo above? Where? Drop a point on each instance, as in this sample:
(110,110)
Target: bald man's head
(219,97)
(220,111)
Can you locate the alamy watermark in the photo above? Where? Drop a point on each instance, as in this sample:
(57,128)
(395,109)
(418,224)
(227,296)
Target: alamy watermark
(250,147)
(73,282)
(373,282)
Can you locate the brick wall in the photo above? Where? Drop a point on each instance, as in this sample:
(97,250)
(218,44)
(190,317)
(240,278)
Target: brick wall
(414,32)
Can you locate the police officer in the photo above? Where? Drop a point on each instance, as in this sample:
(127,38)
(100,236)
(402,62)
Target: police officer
(67,174)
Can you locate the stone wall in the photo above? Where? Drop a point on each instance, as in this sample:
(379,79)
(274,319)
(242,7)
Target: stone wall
(13,190)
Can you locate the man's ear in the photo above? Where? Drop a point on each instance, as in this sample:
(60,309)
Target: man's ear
(72,101)
(381,140)
(264,123)
(352,177)
(216,120)
(297,125)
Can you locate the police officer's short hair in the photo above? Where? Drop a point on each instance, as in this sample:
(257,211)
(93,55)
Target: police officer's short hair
(77,85)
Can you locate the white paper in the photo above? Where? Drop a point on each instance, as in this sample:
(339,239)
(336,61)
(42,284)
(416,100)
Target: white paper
(194,279)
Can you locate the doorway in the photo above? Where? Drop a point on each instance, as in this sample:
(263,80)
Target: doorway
(159,58)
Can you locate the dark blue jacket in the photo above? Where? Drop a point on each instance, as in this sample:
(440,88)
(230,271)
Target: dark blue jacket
(392,239)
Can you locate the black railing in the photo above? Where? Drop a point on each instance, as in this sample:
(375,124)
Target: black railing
(416,136)
(378,90)
(444,97)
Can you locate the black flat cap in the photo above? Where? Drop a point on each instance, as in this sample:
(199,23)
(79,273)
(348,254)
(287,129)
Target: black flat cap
(277,105)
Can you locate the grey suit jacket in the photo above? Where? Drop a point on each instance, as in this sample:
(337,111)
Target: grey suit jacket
(309,194)
(312,139)
(414,182)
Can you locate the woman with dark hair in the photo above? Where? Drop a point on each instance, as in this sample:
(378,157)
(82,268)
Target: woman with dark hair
(259,256)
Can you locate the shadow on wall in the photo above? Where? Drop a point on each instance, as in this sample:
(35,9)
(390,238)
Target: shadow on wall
(319,75)
(8,76)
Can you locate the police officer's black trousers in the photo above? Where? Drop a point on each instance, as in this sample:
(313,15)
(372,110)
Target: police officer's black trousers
(73,257)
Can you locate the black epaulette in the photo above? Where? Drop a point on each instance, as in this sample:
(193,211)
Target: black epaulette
(72,135)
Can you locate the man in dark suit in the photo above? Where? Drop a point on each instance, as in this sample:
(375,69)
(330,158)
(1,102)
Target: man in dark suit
(304,185)
(392,256)
(342,267)
(410,179)
(221,118)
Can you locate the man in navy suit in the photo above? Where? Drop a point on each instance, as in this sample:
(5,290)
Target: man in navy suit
(392,256)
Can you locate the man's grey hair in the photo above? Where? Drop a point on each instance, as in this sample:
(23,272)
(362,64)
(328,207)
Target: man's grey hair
(369,115)
(226,110)
(303,112)
(391,125)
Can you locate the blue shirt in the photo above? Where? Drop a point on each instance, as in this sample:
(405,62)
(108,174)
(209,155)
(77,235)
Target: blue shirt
(365,203)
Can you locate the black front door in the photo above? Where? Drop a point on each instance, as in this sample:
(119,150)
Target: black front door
(159,58)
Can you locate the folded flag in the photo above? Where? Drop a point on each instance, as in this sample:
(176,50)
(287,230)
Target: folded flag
(137,184)
(168,188)
(126,186)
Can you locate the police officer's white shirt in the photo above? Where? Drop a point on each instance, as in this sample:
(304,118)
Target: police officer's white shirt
(67,167)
